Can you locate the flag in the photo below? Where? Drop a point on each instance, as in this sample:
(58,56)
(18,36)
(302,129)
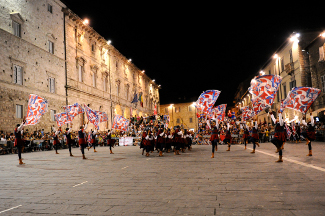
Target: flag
(73,110)
(220,112)
(135,98)
(263,90)
(120,123)
(155,110)
(288,131)
(141,99)
(300,99)
(102,116)
(62,118)
(206,100)
(92,116)
(37,106)
(247,113)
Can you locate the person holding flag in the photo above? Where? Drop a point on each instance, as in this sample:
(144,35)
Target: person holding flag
(254,138)
(214,135)
(93,140)
(279,134)
(110,141)
(68,138)
(56,141)
(19,142)
(82,139)
(310,133)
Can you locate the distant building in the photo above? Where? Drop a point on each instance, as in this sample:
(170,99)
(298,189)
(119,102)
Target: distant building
(182,114)
(292,62)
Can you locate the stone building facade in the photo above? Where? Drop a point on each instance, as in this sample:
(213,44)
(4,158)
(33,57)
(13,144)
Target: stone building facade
(46,49)
(31,59)
(181,114)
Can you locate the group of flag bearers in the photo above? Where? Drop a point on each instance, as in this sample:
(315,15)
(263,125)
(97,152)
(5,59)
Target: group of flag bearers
(164,139)
(278,140)
(82,139)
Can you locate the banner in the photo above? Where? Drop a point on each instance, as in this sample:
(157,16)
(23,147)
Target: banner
(125,141)
(92,116)
(73,110)
(37,106)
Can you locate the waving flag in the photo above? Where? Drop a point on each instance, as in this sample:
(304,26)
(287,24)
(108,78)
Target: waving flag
(102,116)
(62,118)
(288,131)
(141,99)
(247,113)
(73,110)
(120,123)
(37,106)
(300,99)
(92,116)
(135,98)
(220,112)
(263,90)
(206,101)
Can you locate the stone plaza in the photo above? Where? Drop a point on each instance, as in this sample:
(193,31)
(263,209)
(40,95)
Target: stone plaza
(127,183)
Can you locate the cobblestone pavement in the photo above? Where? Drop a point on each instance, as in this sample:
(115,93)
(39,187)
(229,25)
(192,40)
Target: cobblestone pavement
(127,183)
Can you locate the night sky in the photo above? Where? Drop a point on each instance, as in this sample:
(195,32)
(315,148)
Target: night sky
(189,48)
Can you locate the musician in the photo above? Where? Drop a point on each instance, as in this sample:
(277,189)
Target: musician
(110,141)
(214,135)
(279,135)
(19,142)
(254,138)
(169,138)
(189,137)
(56,141)
(82,139)
(68,138)
(310,133)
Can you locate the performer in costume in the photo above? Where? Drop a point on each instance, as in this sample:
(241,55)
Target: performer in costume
(93,140)
(19,142)
(82,139)
(178,140)
(227,139)
(189,137)
(298,132)
(246,136)
(143,141)
(169,139)
(214,135)
(149,142)
(56,141)
(110,141)
(279,134)
(160,141)
(310,133)
(254,138)
(68,138)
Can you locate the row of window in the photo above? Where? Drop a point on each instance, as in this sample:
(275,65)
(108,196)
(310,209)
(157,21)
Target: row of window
(178,120)
(178,109)
(18,78)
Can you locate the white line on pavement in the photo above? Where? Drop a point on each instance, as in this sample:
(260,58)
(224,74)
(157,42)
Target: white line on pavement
(10,209)
(292,160)
(80,184)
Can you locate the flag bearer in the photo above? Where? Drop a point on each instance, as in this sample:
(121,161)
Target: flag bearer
(82,139)
(310,133)
(279,135)
(19,142)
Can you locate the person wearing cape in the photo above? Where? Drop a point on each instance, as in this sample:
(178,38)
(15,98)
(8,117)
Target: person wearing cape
(254,138)
(279,134)
(19,142)
(309,134)
(110,141)
(56,141)
(214,135)
(82,139)
(68,138)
